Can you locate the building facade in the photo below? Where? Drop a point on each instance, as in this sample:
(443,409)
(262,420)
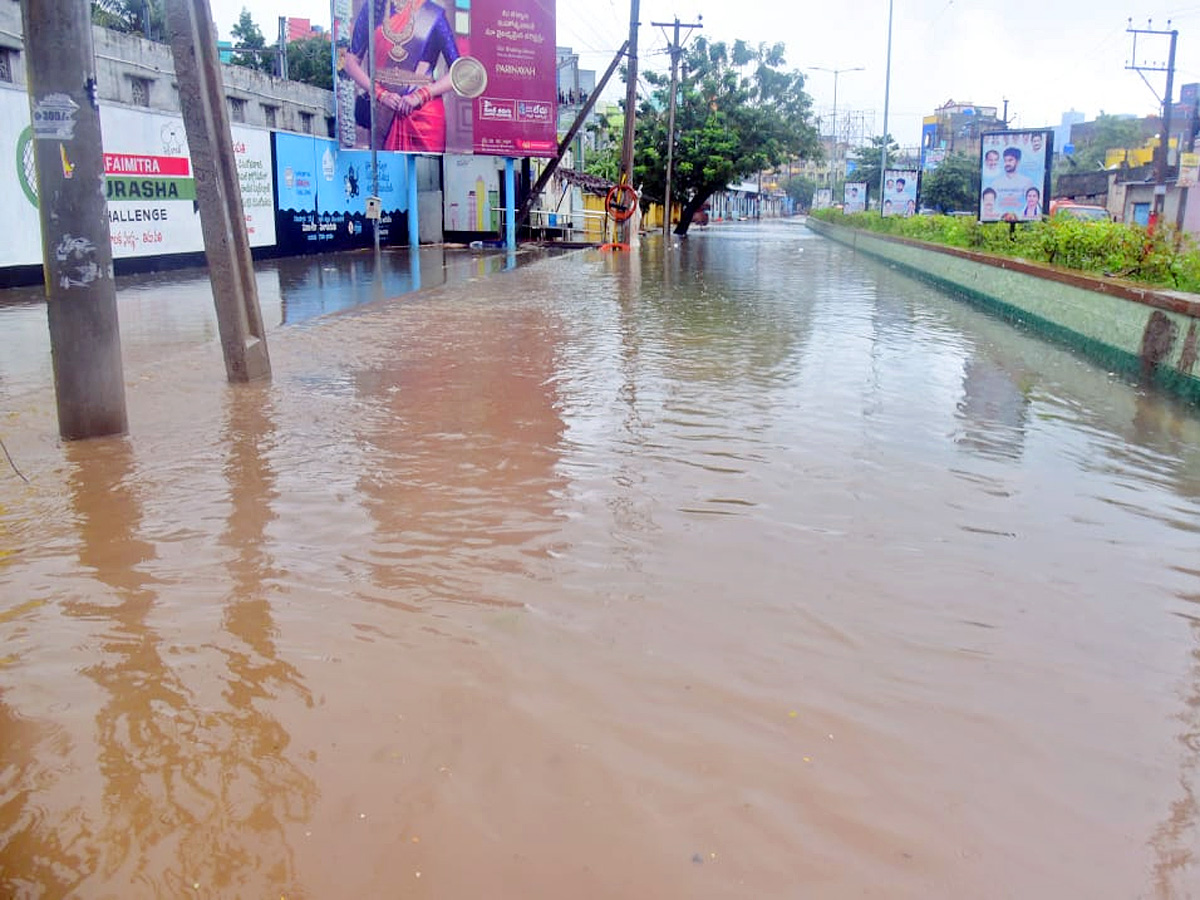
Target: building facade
(957,128)
(132,71)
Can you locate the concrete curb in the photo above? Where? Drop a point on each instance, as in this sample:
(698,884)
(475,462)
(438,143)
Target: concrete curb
(1149,334)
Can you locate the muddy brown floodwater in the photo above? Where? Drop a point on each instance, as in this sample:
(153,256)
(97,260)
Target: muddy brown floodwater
(761,572)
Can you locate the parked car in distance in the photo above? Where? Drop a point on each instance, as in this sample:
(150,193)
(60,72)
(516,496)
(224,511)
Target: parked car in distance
(1083,211)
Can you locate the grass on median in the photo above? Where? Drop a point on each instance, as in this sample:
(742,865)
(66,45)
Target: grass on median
(1165,259)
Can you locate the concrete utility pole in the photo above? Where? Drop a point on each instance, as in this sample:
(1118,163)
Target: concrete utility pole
(1160,161)
(282,44)
(85,341)
(374,100)
(630,110)
(210,143)
(675,52)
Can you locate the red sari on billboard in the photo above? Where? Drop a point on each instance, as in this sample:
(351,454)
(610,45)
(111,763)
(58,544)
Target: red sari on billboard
(409,42)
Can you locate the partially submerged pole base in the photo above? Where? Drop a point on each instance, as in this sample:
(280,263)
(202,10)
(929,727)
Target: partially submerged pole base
(81,295)
(210,142)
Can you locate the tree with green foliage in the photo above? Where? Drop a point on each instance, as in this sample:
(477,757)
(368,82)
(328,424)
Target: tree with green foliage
(250,47)
(310,61)
(1107,133)
(605,162)
(801,190)
(867,161)
(953,185)
(145,17)
(737,112)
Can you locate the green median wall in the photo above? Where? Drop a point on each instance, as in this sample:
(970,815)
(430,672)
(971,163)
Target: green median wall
(1145,333)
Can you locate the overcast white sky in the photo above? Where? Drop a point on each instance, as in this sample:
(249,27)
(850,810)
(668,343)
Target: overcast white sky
(1044,56)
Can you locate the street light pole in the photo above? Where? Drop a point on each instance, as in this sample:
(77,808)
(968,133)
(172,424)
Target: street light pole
(834,143)
(887,89)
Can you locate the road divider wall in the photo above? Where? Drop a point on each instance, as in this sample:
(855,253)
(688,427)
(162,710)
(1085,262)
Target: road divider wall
(1148,334)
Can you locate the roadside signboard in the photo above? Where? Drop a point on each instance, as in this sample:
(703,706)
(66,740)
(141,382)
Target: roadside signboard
(1014,175)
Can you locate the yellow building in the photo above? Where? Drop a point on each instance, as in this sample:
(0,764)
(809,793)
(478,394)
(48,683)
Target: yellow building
(1135,156)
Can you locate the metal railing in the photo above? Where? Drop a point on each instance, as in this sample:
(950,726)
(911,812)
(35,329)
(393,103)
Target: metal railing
(577,225)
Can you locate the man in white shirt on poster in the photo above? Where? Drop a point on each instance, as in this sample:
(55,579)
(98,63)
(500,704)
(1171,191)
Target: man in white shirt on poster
(1011,185)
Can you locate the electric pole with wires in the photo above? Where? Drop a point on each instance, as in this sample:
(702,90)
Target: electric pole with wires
(676,51)
(1164,143)
(626,176)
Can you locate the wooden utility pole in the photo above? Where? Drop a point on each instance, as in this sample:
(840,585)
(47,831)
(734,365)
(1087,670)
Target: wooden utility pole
(675,52)
(630,110)
(222,221)
(81,295)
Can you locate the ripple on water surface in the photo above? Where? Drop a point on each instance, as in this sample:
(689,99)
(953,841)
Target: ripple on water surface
(755,552)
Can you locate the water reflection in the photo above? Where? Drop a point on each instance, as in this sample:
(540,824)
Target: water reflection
(738,312)
(630,505)
(341,281)
(38,856)
(326,284)
(146,759)
(1177,838)
(196,789)
(994,409)
(163,312)
(264,788)
(459,470)
(788,548)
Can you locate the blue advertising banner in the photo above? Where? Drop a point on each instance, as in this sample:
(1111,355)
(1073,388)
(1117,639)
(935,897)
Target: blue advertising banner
(932,159)
(322,195)
(929,143)
(296,175)
(352,183)
(345,194)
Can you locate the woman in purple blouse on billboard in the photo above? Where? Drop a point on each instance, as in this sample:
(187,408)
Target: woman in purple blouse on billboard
(410,39)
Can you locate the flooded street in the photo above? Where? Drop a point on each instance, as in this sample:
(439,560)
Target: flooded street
(762,572)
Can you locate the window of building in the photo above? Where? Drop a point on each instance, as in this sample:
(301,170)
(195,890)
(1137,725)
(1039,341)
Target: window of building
(330,126)
(269,116)
(6,64)
(306,120)
(237,109)
(140,88)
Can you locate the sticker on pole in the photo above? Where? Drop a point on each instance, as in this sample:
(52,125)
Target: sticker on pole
(54,118)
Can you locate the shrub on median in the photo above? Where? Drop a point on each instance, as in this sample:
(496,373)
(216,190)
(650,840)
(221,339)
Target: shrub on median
(1164,259)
